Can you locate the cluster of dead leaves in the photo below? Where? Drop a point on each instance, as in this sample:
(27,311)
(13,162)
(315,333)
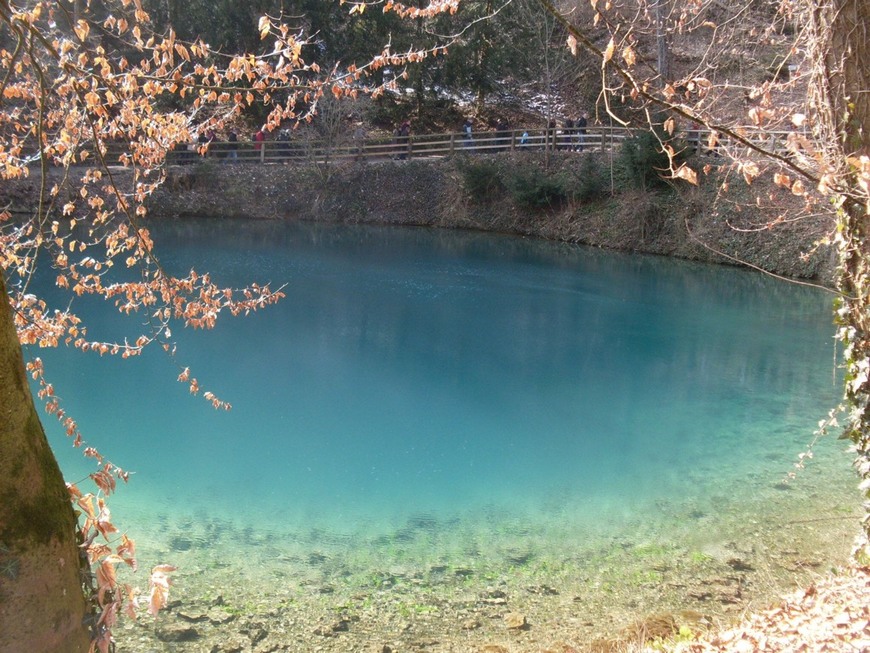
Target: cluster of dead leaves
(832,615)
(111,595)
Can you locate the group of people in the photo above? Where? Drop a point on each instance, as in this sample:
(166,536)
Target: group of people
(574,133)
(571,137)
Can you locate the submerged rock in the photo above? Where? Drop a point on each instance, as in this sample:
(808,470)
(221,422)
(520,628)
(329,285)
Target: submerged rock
(738,564)
(176,632)
(515,621)
(340,626)
(234,643)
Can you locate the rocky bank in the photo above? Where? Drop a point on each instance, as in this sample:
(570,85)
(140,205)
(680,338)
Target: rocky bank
(720,221)
(759,226)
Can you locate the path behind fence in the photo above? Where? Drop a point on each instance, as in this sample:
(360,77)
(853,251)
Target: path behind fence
(421,146)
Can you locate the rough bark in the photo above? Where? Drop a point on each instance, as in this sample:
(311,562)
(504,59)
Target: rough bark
(42,605)
(840,45)
(843,33)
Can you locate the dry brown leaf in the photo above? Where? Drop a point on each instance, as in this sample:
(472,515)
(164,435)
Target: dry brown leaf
(685,172)
(608,52)
(781,179)
(750,171)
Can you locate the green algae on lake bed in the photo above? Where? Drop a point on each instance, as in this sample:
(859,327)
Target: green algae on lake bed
(446,585)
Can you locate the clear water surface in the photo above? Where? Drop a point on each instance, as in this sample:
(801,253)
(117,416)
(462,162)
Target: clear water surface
(420,377)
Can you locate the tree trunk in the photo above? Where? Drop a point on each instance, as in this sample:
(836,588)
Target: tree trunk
(845,36)
(841,79)
(42,605)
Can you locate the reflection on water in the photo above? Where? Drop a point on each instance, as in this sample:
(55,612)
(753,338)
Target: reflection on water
(415,379)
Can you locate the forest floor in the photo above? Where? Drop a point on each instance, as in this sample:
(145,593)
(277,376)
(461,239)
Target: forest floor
(831,614)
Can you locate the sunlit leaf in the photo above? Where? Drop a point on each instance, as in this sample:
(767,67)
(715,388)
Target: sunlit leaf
(685,172)
(572,44)
(608,52)
(750,171)
(82,29)
(781,179)
(264,27)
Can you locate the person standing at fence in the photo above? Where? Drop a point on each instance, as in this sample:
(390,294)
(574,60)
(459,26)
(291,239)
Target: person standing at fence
(403,139)
(468,133)
(259,138)
(282,144)
(397,138)
(232,146)
(550,138)
(580,125)
(501,128)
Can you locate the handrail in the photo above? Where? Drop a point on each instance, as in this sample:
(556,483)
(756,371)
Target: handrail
(418,146)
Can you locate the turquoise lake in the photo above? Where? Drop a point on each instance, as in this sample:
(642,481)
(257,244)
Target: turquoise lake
(438,380)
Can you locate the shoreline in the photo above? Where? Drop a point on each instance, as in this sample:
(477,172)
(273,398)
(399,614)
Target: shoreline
(452,585)
(698,223)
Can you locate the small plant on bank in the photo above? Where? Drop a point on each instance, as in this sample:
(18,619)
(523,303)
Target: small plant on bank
(537,189)
(642,161)
(593,182)
(684,636)
(481,178)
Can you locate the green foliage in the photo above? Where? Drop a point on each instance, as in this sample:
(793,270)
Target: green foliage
(483,56)
(642,161)
(481,178)
(537,189)
(494,48)
(225,24)
(593,181)
(386,112)
(684,635)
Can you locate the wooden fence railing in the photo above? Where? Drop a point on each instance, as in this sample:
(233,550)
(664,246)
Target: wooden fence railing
(419,146)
